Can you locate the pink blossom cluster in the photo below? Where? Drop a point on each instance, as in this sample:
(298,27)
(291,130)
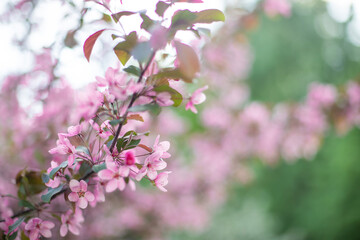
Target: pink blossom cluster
(104,148)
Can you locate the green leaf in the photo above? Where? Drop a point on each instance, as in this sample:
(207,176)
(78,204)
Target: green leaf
(16,224)
(153,108)
(115,122)
(51,192)
(185,19)
(142,51)
(133,143)
(97,168)
(29,183)
(83,149)
(114,36)
(147,22)
(176,97)
(123,49)
(109,141)
(45,178)
(24,203)
(23,236)
(130,133)
(12,236)
(172,73)
(133,70)
(209,16)
(89,43)
(122,55)
(55,170)
(182,19)
(117,16)
(85,169)
(161,7)
(106,18)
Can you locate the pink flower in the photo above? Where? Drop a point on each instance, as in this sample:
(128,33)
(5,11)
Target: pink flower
(36,226)
(162,147)
(151,165)
(73,131)
(6,224)
(71,221)
(162,180)
(79,194)
(164,99)
(197,97)
(64,147)
(275,7)
(112,76)
(115,176)
(103,129)
(98,192)
(321,95)
(56,182)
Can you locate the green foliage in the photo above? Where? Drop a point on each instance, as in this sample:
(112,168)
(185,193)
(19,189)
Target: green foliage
(184,19)
(117,16)
(50,193)
(176,97)
(133,70)
(24,203)
(58,168)
(29,183)
(97,168)
(152,107)
(290,54)
(161,7)
(124,48)
(12,227)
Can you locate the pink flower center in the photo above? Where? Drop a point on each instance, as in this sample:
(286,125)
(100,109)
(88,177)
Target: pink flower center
(81,194)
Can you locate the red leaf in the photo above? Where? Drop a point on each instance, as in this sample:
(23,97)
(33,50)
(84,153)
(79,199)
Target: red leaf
(135,117)
(145,147)
(89,43)
(189,63)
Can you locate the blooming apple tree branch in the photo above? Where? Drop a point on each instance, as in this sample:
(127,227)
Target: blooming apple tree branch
(105,151)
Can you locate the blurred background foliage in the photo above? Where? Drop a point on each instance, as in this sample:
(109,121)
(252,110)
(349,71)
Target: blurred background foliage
(312,200)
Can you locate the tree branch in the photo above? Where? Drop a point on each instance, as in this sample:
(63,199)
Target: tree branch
(133,98)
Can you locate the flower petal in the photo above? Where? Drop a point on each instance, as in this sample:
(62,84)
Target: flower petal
(34,234)
(47,224)
(106,174)
(83,186)
(111,185)
(73,197)
(82,203)
(89,196)
(121,184)
(45,232)
(74,185)
(152,173)
(74,229)
(63,230)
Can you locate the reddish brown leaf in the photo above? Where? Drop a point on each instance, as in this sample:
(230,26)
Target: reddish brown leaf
(135,117)
(145,147)
(89,43)
(189,63)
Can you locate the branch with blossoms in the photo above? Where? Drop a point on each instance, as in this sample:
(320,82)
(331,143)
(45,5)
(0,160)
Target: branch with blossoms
(106,151)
